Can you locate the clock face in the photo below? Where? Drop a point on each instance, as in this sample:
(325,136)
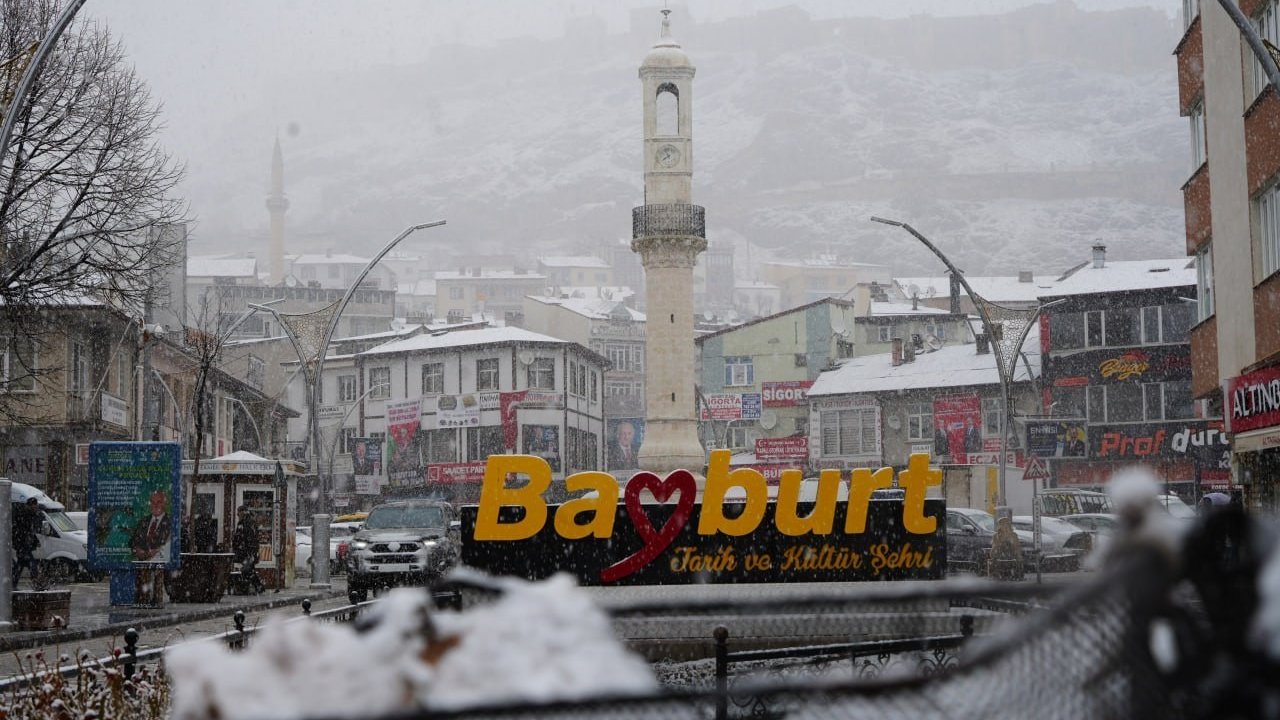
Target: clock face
(668,156)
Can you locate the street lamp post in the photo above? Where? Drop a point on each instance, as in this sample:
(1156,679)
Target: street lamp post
(1006,354)
(310,339)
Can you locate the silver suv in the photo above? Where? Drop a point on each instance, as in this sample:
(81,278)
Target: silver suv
(407,542)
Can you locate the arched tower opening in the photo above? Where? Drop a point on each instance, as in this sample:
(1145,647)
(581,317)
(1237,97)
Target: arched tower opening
(667,109)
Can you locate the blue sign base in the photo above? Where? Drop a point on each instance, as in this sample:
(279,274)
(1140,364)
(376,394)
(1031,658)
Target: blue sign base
(122,587)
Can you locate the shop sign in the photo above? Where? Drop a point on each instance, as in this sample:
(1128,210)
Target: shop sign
(82,453)
(330,411)
(491,401)
(1253,400)
(1203,441)
(1149,364)
(783,448)
(114,410)
(1256,441)
(26,464)
(772,472)
(1012,458)
(731,406)
(456,473)
(458,411)
(608,536)
(1124,367)
(1057,438)
(787,393)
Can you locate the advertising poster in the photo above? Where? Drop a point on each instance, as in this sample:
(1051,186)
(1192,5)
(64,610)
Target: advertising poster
(366,465)
(783,448)
(135,491)
(466,473)
(404,464)
(731,406)
(788,393)
(543,441)
(957,428)
(1057,438)
(625,436)
(458,411)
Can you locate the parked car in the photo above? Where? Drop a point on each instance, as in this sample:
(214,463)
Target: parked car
(1096,523)
(1176,507)
(1059,502)
(969,536)
(302,550)
(339,535)
(407,542)
(1062,545)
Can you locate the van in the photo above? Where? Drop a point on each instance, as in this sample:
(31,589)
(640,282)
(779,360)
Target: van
(64,548)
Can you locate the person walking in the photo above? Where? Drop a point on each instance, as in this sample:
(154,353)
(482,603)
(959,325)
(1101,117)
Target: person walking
(244,545)
(26,525)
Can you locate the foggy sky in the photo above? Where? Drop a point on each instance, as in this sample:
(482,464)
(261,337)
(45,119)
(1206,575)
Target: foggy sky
(206,59)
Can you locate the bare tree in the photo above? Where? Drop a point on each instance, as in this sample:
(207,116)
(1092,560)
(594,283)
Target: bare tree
(84,184)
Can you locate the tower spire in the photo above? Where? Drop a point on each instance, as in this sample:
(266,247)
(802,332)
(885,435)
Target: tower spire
(277,204)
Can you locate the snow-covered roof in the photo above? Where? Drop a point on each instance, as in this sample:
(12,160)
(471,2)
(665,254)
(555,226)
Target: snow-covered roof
(218,266)
(1121,275)
(334,259)
(949,366)
(399,332)
(607,292)
(489,275)
(593,308)
(880,309)
(996,288)
(573,261)
(823,263)
(754,285)
(463,338)
(417,287)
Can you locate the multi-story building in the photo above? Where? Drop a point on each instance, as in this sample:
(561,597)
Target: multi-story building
(755,299)
(339,270)
(1231,197)
(370,310)
(498,295)
(575,271)
(1014,291)
(803,281)
(1118,360)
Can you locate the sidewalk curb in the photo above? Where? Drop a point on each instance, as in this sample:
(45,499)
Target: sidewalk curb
(53,637)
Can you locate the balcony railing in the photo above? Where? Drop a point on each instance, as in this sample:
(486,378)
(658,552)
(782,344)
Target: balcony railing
(667,220)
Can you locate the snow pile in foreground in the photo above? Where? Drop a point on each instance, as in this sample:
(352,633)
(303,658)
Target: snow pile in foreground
(539,641)
(1133,492)
(1266,621)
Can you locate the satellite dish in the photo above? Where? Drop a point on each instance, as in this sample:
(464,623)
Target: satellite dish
(838,327)
(526,357)
(930,291)
(768,419)
(932,342)
(895,422)
(913,290)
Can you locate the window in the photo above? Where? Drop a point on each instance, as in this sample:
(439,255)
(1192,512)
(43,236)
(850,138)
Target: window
(573,378)
(542,374)
(992,414)
(884,334)
(18,365)
(737,437)
(78,371)
(1176,320)
(1093,329)
(1266,25)
(1204,283)
(1066,331)
(346,388)
(595,386)
(255,371)
(432,378)
(1121,327)
(738,370)
(335,272)
(455,293)
(125,371)
(582,380)
(619,357)
(1269,229)
(850,432)
(346,436)
(621,389)
(1067,402)
(379,383)
(1197,136)
(487,374)
(1178,403)
(439,446)
(483,442)
(920,422)
(1153,401)
(667,110)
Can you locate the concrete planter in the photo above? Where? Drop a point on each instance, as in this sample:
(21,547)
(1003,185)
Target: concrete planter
(40,609)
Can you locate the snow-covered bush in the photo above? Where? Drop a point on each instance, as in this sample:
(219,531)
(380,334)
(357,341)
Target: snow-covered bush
(99,691)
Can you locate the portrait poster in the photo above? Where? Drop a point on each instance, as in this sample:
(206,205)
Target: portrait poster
(625,435)
(135,492)
(957,428)
(403,460)
(366,465)
(543,441)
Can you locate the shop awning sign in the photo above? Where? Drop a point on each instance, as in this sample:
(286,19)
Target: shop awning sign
(1252,401)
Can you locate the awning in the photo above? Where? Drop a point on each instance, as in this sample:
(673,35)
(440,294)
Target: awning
(1256,440)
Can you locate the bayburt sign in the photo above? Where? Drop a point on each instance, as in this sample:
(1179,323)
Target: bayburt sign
(661,534)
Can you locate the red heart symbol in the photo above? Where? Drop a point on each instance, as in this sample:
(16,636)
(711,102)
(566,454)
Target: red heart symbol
(654,541)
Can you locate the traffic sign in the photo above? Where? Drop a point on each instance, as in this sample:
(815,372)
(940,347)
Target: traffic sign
(1037,468)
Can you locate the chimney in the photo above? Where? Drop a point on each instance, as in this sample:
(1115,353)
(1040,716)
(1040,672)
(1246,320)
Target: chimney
(955,294)
(475,272)
(1025,276)
(1099,255)
(984,345)
(915,301)
(897,352)
(908,353)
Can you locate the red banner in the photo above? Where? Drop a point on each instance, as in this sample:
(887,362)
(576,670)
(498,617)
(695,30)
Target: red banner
(456,473)
(788,393)
(957,427)
(507,403)
(1253,400)
(783,448)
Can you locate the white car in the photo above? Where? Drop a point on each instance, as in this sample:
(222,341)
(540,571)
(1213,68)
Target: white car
(339,535)
(1176,507)
(1062,544)
(302,550)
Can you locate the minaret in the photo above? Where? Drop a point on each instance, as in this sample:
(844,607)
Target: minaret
(668,232)
(277,203)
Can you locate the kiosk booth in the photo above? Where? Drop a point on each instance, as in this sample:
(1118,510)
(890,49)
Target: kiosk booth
(242,478)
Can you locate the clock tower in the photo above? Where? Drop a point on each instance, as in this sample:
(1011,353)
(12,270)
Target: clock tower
(668,232)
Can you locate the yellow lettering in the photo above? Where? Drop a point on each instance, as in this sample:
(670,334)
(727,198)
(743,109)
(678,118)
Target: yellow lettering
(821,518)
(494,494)
(719,480)
(863,482)
(603,507)
(916,480)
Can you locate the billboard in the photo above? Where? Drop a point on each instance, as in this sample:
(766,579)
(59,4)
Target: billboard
(783,448)
(625,436)
(957,427)
(135,492)
(1204,442)
(1057,438)
(366,465)
(787,393)
(731,406)
(458,411)
(403,461)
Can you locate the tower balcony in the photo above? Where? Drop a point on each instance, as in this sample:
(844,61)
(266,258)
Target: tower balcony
(676,219)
